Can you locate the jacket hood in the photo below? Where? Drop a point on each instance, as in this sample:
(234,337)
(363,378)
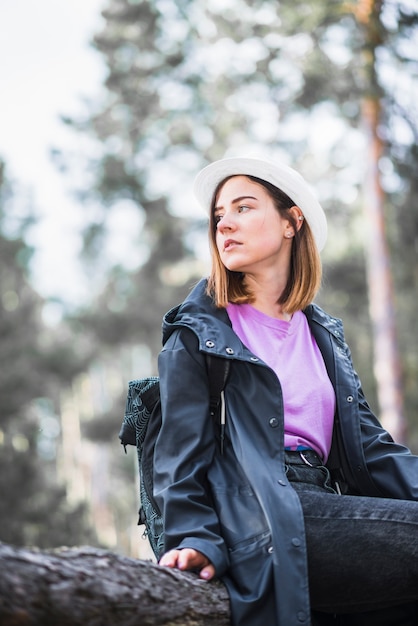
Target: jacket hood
(210,324)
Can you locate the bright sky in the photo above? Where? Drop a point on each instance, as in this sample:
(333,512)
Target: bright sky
(47,68)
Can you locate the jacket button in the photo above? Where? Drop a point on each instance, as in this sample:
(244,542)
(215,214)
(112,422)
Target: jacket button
(210,344)
(229,350)
(282,482)
(270,549)
(274,422)
(350,398)
(254,359)
(302,617)
(296,542)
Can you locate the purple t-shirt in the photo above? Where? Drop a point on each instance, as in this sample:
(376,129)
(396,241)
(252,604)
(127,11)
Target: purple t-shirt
(292,352)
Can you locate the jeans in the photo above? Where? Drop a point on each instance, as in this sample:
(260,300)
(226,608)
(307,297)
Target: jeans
(362,552)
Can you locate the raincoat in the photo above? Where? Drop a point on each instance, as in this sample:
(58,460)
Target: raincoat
(236,505)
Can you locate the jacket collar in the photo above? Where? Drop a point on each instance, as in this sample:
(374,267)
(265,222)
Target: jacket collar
(210,324)
(213,327)
(316,315)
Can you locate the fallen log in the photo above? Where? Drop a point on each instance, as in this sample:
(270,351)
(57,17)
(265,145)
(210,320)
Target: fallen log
(92,587)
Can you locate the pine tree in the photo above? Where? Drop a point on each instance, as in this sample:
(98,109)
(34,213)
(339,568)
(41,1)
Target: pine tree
(187,82)
(33,507)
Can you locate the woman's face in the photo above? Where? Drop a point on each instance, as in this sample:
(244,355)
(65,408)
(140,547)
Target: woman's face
(251,236)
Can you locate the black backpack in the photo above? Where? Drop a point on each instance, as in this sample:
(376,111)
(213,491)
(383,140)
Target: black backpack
(140,428)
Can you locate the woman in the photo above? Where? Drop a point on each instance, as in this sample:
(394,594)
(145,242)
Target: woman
(308,508)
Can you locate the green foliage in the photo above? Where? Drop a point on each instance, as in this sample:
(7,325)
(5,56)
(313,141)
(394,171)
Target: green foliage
(33,365)
(33,508)
(189,80)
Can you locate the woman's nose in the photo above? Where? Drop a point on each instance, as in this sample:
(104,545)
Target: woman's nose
(226,222)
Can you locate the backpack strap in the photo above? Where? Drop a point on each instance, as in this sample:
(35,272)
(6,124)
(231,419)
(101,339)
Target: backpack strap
(218,371)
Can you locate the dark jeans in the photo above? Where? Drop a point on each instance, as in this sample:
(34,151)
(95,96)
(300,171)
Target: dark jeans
(362,552)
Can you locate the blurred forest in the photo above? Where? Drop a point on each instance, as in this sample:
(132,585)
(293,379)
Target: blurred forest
(190,81)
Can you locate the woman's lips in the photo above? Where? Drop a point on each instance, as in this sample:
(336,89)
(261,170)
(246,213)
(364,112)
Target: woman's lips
(230,243)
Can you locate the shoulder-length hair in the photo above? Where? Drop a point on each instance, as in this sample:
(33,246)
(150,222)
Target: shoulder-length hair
(305,274)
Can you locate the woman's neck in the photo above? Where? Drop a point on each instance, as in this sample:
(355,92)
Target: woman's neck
(266,295)
(271,309)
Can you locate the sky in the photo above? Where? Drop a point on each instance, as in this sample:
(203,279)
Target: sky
(47,68)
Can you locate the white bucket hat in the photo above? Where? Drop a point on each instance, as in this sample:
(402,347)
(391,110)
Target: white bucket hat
(282,176)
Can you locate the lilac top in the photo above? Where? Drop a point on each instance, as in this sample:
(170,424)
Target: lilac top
(292,352)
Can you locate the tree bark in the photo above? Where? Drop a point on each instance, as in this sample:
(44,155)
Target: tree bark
(91,587)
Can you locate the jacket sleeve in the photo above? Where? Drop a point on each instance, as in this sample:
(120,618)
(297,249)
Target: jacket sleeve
(392,466)
(380,466)
(184,451)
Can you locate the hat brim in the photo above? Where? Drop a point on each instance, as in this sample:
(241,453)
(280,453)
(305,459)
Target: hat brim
(282,176)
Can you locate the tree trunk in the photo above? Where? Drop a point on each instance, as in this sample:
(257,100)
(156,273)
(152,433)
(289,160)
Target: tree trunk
(381,300)
(91,587)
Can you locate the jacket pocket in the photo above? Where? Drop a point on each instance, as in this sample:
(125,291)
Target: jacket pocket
(249,548)
(241,518)
(250,581)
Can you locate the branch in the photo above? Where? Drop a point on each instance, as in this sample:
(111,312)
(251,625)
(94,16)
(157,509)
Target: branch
(92,587)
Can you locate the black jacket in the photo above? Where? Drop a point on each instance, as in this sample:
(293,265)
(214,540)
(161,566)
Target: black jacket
(238,508)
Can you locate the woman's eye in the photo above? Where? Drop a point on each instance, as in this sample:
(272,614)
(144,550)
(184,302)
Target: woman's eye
(217,218)
(243,208)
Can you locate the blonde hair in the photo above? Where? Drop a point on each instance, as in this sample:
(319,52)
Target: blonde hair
(305,274)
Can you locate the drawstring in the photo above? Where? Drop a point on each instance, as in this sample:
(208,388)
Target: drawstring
(223,420)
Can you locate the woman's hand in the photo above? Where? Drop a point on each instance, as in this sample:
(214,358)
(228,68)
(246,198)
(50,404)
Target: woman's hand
(187,558)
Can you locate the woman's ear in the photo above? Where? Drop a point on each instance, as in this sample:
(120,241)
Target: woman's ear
(298,216)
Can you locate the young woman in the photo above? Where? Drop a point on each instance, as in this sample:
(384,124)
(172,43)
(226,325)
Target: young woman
(308,508)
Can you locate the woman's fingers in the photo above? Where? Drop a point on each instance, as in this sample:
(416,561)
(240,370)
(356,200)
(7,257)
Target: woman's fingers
(207,572)
(170,559)
(191,559)
(186,559)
